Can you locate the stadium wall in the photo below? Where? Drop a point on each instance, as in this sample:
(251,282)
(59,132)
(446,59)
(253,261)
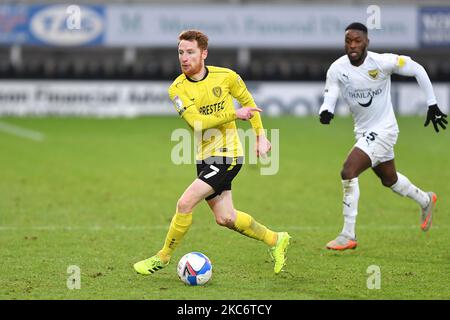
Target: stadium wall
(141,98)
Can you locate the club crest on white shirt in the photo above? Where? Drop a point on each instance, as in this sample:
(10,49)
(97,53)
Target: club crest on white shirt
(373,73)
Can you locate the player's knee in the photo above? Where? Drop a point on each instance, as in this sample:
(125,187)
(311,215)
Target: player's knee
(389,181)
(184,205)
(225,221)
(348,173)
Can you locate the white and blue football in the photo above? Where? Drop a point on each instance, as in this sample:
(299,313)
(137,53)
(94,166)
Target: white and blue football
(194,269)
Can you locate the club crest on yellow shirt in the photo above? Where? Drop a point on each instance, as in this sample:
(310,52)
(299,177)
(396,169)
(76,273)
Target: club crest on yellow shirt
(217,91)
(373,73)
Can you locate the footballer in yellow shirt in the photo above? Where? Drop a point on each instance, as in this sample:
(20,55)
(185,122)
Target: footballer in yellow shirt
(203,96)
(209,103)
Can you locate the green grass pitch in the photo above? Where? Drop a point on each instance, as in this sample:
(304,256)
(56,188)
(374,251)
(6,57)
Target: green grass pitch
(99,194)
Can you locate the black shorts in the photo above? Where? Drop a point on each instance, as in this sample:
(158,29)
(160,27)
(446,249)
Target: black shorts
(218,172)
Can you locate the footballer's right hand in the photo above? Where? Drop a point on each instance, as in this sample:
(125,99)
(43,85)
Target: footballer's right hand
(325,117)
(246,113)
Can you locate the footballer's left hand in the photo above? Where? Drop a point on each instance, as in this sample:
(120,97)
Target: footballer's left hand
(263,146)
(436,116)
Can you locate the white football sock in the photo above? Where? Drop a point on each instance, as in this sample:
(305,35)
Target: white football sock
(404,187)
(350,206)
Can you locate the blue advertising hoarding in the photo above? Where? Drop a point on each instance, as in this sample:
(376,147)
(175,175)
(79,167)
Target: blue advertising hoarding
(434,27)
(52,25)
(13,24)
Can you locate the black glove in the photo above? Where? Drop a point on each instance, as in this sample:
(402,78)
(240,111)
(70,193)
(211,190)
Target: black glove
(325,117)
(436,117)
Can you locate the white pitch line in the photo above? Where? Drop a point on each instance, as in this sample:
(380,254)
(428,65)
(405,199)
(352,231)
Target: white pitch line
(21,132)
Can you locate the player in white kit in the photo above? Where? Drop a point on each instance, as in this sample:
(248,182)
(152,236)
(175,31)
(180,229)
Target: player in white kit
(363,79)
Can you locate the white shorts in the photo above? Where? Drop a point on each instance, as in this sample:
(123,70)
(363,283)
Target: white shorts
(379,146)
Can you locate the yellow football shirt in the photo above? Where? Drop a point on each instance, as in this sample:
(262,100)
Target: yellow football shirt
(208,104)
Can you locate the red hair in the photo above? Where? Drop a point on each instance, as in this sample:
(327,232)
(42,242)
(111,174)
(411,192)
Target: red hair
(191,35)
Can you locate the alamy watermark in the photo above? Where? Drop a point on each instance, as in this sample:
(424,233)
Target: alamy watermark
(374,279)
(189,144)
(73,21)
(74,279)
(374,19)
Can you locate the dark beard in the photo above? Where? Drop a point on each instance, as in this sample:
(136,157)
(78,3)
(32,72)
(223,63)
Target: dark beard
(359,61)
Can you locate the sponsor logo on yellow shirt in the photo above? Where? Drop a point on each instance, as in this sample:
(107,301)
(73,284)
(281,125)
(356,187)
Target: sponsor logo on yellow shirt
(212,108)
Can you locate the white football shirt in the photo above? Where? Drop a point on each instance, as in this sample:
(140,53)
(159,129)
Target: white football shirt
(366,89)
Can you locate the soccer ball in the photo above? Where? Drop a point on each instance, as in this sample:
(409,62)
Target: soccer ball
(194,269)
